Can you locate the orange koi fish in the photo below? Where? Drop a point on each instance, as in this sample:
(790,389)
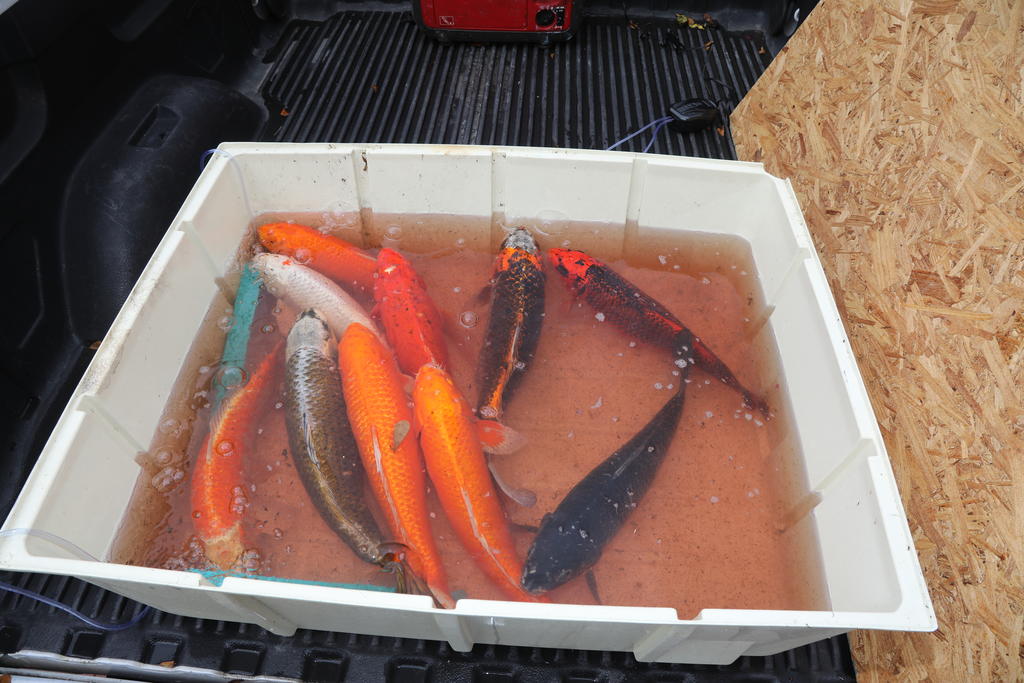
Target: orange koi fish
(381,419)
(218,476)
(411,321)
(456,464)
(344,263)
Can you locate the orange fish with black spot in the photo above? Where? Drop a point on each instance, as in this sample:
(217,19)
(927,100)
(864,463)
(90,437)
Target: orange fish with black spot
(218,476)
(411,321)
(381,418)
(456,465)
(345,263)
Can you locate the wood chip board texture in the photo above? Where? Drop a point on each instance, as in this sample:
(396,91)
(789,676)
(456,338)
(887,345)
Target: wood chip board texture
(901,126)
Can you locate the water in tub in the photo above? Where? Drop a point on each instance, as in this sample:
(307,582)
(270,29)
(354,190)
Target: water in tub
(715,529)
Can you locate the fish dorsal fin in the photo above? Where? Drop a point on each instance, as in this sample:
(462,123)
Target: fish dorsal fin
(401,431)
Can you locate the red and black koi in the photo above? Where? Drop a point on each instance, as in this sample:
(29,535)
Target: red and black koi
(637,314)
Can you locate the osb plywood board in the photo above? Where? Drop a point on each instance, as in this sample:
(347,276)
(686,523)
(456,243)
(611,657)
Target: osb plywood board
(901,126)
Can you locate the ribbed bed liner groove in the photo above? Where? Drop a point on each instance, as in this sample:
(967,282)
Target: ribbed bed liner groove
(366,76)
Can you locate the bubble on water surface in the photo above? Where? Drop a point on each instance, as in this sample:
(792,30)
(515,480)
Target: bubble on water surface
(167,478)
(226,322)
(250,561)
(392,237)
(232,376)
(468,319)
(551,222)
(170,427)
(165,457)
(338,216)
(239,501)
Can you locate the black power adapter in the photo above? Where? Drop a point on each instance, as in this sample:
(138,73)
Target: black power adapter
(694,114)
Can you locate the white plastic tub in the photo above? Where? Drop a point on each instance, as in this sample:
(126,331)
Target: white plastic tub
(82,483)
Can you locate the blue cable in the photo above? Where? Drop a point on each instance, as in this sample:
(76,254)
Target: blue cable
(205,157)
(654,136)
(75,613)
(657,122)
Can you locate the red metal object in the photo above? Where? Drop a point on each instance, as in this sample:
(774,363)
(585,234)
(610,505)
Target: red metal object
(543,21)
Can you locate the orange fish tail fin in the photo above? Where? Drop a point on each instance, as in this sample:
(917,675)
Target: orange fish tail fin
(499,439)
(225,549)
